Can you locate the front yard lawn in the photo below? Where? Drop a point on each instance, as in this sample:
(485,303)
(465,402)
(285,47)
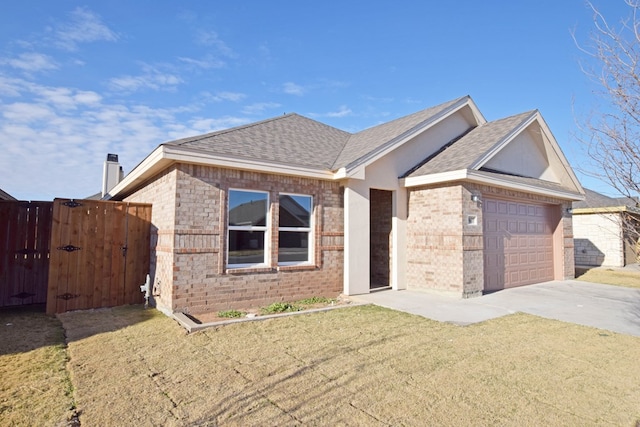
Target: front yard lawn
(626,278)
(362,365)
(355,366)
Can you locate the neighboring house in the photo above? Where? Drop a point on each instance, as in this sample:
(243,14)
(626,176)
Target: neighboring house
(289,207)
(601,239)
(5,196)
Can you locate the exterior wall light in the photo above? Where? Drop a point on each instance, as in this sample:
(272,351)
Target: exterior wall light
(475,198)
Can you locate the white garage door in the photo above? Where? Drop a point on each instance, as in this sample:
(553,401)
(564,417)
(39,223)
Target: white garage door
(518,243)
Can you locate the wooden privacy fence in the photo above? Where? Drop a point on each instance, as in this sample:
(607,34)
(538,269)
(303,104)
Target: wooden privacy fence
(73,254)
(99,254)
(25,229)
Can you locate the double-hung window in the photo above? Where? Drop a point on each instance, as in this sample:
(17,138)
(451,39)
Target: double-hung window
(294,229)
(248,225)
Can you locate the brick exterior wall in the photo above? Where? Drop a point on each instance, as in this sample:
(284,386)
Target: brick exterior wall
(445,237)
(434,239)
(197,279)
(160,191)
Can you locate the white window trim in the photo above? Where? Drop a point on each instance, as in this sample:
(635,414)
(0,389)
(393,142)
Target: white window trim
(309,230)
(264,228)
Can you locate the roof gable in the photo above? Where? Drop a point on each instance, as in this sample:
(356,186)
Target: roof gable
(364,146)
(466,150)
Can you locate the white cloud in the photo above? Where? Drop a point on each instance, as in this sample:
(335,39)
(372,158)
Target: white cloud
(152,78)
(259,107)
(223,96)
(293,89)
(22,112)
(206,125)
(343,111)
(31,62)
(210,38)
(206,63)
(55,138)
(84,27)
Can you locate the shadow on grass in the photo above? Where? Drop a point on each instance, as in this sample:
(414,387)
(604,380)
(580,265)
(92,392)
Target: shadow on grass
(27,328)
(86,323)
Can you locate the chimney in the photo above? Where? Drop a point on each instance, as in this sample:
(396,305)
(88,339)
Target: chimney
(112,173)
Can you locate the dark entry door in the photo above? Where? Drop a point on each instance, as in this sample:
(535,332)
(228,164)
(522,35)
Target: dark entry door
(380,234)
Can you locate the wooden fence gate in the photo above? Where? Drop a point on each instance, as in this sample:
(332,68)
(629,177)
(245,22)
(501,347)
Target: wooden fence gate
(25,228)
(99,254)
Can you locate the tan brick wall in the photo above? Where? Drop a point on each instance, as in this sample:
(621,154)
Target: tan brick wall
(445,245)
(160,191)
(434,239)
(200,281)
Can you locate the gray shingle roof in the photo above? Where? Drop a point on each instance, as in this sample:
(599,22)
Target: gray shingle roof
(289,139)
(593,199)
(296,140)
(6,196)
(463,152)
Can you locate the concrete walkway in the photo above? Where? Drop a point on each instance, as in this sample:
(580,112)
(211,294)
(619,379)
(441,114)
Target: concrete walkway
(607,307)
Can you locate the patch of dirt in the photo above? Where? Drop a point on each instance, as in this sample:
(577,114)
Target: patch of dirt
(253,312)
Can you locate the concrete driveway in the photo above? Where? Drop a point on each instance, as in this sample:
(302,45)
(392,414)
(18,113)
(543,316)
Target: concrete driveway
(607,307)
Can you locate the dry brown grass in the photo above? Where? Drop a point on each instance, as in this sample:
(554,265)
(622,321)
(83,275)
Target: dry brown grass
(629,279)
(355,366)
(34,386)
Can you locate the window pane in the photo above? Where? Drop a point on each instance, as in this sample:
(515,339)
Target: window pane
(246,247)
(247,208)
(295,211)
(293,246)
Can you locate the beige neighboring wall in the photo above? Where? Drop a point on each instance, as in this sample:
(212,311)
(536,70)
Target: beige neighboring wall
(598,238)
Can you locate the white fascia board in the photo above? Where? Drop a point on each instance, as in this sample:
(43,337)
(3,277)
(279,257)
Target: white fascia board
(153,162)
(165,155)
(403,138)
(473,176)
(357,173)
(435,178)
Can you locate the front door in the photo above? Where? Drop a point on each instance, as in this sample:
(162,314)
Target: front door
(380,215)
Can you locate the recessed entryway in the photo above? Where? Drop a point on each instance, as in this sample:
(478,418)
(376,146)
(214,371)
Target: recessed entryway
(380,229)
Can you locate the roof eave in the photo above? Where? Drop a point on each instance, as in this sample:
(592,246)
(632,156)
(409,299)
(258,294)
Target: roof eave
(600,210)
(165,155)
(479,178)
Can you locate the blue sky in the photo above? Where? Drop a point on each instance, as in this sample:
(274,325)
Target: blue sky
(79,80)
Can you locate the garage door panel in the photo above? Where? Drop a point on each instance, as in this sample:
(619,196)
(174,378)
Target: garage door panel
(521,235)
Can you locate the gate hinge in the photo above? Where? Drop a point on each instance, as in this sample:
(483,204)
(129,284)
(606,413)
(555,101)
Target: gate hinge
(68,248)
(71,204)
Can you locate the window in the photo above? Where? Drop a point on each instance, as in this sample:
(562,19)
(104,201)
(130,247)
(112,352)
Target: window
(248,222)
(294,229)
